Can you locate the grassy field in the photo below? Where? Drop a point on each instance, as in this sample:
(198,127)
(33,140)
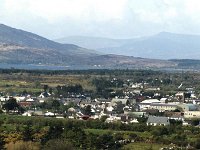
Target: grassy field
(131,146)
(142,146)
(18,82)
(103,131)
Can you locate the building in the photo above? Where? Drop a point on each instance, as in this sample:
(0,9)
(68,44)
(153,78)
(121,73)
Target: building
(191,114)
(189,107)
(147,103)
(156,121)
(163,106)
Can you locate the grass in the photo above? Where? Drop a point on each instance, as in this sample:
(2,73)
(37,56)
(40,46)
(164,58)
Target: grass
(143,146)
(17,83)
(131,146)
(103,131)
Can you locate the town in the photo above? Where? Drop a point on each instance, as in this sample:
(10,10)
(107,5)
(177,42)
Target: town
(153,98)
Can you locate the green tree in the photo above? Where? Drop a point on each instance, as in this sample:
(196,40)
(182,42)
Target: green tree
(2,142)
(106,141)
(45,87)
(27,133)
(88,110)
(11,104)
(56,105)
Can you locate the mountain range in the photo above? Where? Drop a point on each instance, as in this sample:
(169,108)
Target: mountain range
(163,45)
(20,47)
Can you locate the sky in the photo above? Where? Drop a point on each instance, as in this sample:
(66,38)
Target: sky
(101,18)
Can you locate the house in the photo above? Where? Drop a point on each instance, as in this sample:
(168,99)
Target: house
(33,113)
(67,101)
(85,103)
(152,89)
(25,104)
(190,107)
(146,103)
(20,98)
(156,121)
(113,118)
(191,114)
(163,100)
(30,100)
(117,100)
(128,119)
(44,94)
(3,99)
(27,114)
(175,115)
(163,106)
(50,114)
(103,101)
(196,101)
(137,85)
(136,114)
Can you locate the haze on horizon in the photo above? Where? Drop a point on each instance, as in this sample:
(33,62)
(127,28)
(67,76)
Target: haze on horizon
(101,18)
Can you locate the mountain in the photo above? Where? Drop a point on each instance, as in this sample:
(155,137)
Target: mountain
(19,47)
(164,45)
(93,42)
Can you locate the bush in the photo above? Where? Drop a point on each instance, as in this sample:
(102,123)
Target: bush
(21,145)
(58,144)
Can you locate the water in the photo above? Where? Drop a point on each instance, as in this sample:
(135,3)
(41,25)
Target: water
(47,67)
(33,67)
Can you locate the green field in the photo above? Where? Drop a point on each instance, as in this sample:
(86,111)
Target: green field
(102,131)
(142,146)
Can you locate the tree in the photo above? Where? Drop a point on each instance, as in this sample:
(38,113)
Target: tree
(27,133)
(55,105)
(37,84)
(50,90)
(119,107)
(2,142)
(88,110)
(106,141)
(197,143)
(11,104)
(103,118)
(45,87)
(142,119)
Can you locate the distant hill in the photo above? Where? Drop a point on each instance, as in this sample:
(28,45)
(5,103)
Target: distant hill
(21,47)
(160,46)
(92,42)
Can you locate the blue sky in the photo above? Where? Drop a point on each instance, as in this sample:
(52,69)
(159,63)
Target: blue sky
(102,18)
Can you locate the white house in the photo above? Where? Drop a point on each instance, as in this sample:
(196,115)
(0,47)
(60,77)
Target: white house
(155,121)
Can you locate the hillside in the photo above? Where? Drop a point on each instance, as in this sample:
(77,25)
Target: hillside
(18,46)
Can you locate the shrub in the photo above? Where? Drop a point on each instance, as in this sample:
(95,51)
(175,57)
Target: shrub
(21,145)
(59,144)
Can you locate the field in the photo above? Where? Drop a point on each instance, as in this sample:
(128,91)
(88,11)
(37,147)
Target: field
(101,132)
(33,83)
(17,81)
(130,146)
(142,146)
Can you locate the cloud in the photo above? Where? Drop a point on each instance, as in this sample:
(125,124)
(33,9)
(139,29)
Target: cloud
(111,18)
